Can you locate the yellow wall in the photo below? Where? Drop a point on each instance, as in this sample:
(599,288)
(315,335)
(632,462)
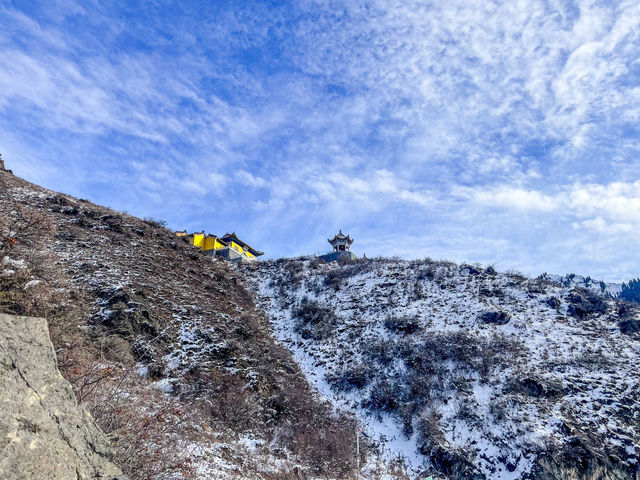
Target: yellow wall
(198,240)
(212,243)
(209,243)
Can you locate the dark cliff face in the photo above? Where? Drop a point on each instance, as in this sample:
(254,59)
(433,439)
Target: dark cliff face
(477,373)
(160,342)
(43,431)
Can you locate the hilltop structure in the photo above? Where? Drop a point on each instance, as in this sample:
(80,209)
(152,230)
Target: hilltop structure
(228,247)
(341,244)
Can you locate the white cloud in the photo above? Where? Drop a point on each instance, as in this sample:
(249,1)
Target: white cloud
(455,117)
(600,226)
(618,201)
(509,197)
(369,192)
(246,178)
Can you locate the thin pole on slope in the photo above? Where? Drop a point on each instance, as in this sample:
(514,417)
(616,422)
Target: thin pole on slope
(357,453)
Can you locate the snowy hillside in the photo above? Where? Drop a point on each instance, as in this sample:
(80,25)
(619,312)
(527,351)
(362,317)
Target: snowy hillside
(573,280)
(466,372)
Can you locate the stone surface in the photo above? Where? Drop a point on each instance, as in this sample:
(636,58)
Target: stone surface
(495,318)
(338,257)
(43,431)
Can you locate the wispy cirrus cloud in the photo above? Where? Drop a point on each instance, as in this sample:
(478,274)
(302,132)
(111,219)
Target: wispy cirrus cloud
(446,123)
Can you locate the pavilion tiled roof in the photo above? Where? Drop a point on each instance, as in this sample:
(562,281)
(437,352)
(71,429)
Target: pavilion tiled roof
(340,237)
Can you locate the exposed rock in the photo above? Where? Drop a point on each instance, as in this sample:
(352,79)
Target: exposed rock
(537,387)
(583,302)
(470,270)
(43,431)
(495,318)
(121,314)
(630,326)
(553,302)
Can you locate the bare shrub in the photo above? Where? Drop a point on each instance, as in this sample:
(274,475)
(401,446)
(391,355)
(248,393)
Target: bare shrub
(429,431)
(313,320)
(386,395)
(333,279)
(155,222)
(141,423)
(381,352)
(356,375)
(406,325)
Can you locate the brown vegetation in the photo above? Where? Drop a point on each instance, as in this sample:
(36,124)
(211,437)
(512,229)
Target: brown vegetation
(119,294)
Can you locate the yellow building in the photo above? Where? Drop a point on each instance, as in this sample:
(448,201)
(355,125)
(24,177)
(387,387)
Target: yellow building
(229,247)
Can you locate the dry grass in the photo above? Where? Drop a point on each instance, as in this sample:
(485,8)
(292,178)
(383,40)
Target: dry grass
(116,291)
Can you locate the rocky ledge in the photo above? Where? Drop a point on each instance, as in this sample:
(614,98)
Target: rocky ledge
(43,431)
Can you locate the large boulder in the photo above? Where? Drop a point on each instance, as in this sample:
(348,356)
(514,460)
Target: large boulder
(584,302)
(630,326)
(495,318)
(43,431)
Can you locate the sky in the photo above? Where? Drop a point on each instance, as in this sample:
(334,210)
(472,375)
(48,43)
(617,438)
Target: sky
(500,133)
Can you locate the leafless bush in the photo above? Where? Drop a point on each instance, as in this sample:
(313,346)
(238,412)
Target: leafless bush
(426,272)
(313,320)
(249,326)
(356,375)
(405,325)
(515,278)
(333,279)
(386,395)
(429,431)
(155,222)
(141,423)
(28,272)
(322,439)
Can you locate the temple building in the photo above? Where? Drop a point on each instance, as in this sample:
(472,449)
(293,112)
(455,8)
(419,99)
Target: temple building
(341,244)
(228,247)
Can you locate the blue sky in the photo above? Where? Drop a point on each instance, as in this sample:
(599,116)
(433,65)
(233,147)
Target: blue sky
(503,133)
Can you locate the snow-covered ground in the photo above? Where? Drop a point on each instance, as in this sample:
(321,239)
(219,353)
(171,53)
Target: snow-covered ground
(446,363)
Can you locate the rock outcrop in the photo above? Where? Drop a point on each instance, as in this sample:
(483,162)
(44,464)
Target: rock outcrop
(43,431)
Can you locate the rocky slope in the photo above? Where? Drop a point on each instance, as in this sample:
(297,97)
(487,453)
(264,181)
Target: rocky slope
(43,431)
(453,370)
(465,372)
(162,344)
